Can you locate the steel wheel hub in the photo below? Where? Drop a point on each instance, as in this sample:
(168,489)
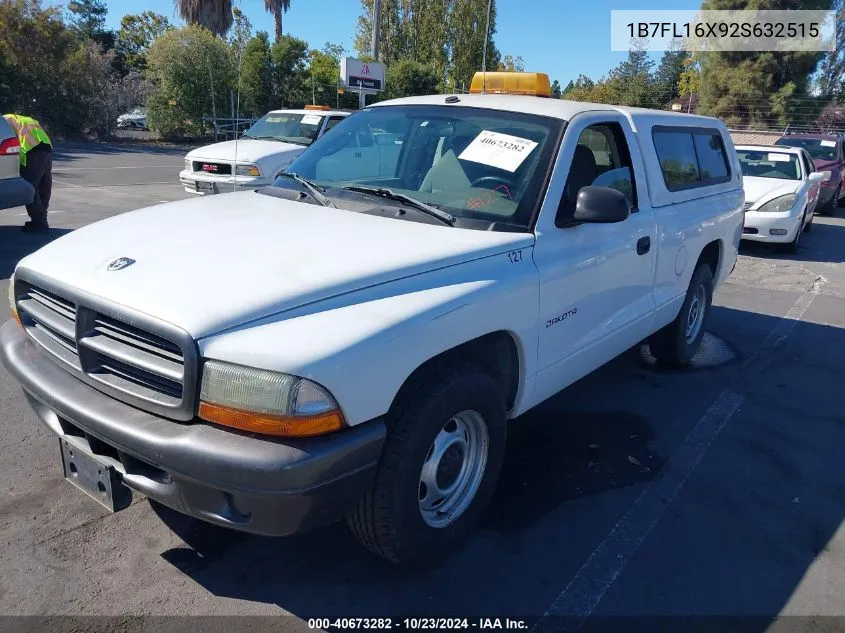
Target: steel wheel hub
(453,469)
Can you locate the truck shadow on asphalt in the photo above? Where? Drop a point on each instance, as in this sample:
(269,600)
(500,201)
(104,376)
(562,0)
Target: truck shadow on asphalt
(15,245)
(758,510)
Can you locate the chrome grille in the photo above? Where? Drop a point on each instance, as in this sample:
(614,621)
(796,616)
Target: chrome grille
(148,364)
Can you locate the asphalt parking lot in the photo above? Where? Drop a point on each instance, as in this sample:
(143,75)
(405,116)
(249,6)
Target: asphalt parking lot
(636,493)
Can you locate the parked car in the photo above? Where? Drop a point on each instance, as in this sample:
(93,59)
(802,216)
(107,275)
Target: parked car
(137,120)
(781,192)
(352,340)
(828,153)
(14,190)
(265,149)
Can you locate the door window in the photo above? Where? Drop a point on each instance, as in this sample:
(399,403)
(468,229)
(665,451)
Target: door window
(808,164)
(601,159)
(332,122)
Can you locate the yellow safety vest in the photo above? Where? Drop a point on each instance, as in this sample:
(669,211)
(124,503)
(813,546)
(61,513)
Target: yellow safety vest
(30,133)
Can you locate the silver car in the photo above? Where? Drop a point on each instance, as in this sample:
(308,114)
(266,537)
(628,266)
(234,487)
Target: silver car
(14,190)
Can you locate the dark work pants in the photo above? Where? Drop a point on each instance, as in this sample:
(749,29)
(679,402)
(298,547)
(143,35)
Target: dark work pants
(38,171)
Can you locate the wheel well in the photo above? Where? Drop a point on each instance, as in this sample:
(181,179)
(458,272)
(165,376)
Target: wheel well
(712,256)
(495,353)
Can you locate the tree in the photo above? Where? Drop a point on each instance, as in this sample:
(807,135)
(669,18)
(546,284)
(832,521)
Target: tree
(215,15)
(510,63)
(668,73)
(759,89)
(193,71)
(408,78)
(467,22)
(241,34)
(556,89)
(257,90)
(289,55)
(88,16)
(631,79)
(34,43)
(393,31)
(136,35)
(689,82)
(831,75)
(277,8)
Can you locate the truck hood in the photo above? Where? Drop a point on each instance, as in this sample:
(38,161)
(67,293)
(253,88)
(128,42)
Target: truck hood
(249,150)
(210,264)
(764,189)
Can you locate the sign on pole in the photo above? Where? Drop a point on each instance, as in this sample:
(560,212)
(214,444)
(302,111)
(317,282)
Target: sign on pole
(368,76)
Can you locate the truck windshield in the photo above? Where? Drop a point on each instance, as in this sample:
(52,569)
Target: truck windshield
(290,127)
(473,163)
(818,148)
(763,164)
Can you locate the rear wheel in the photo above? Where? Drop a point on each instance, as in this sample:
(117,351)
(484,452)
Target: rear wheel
(677,343)
(441,460)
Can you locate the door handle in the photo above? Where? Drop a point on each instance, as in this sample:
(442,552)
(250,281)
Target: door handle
(643,245)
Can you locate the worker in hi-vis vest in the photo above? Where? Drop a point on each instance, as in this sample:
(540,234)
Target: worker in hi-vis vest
(36,159)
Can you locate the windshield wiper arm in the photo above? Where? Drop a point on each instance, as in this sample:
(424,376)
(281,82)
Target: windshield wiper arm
(419,205)
(313,189)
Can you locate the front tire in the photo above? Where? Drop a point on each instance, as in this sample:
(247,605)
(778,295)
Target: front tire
(677,343)
(439,467)
(792,247)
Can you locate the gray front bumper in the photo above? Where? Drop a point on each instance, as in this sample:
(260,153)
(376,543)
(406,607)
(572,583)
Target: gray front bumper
(251,483)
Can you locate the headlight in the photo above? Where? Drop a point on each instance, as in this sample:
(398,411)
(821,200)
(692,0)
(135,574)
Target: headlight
(247,170)
(12,304)
(779,205)
(189,165)
(266,402)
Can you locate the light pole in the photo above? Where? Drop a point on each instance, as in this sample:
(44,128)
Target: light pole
(484,54)
(376,29)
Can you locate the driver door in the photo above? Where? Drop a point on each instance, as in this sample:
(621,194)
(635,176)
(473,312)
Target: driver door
(596,280)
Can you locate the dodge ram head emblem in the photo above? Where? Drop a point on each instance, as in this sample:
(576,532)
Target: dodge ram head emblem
(120,263)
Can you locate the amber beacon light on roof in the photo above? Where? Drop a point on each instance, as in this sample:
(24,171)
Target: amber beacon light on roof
(510,83)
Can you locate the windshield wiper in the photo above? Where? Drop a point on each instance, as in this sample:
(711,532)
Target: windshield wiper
(419,205)
(313,189)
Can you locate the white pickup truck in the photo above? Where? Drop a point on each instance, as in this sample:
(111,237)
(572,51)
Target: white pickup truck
(343,346)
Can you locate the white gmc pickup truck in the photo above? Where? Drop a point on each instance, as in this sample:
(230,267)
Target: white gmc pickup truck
(353,340)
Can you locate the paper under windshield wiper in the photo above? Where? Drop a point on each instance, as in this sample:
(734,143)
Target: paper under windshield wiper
(419,205)
(313,189)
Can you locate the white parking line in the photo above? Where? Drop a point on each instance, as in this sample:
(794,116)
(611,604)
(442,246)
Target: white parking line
(584,592)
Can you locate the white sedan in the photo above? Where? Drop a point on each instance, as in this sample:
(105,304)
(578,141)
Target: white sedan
(781,193)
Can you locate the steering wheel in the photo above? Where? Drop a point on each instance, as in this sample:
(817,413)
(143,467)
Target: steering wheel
(509,184)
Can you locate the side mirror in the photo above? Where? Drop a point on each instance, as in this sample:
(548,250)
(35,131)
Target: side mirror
(819,176)
(601,205)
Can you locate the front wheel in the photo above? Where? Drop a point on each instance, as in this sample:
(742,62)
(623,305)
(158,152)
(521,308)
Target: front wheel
(792,247)
(677,343)
(441,460)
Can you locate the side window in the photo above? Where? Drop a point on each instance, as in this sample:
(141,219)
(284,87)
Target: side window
(334,120)
(690,157)
(808,164)
(712,160)
(601,159)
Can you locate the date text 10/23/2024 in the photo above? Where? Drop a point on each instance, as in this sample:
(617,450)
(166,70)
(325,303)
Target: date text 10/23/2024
(416,624)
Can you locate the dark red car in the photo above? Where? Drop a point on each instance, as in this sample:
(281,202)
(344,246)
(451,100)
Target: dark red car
(828,154)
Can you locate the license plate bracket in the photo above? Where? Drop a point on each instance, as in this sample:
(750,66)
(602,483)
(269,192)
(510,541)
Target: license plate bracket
(94,477)
(205,187)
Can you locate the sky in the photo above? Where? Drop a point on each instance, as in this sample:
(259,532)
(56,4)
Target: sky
(562,38)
